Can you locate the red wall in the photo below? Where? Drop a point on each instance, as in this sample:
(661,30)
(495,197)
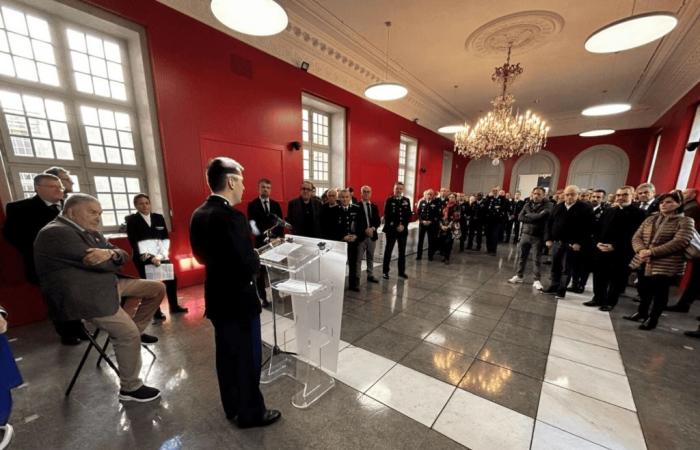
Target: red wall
(206,109)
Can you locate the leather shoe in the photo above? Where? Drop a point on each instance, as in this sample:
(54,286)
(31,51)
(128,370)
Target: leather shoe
(372,280)
(648,324)
(678,308)
(159,315)
(178,310)
(591,303)
(694,334)
(606,308)
(636,317)
(385,276)
(269,417)
(354,288)
(148,339)
(551,290)
(70,340)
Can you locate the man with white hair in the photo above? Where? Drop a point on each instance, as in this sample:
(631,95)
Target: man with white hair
(79,276)
(567,231)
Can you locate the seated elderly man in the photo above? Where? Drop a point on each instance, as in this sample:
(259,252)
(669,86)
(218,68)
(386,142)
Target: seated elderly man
(79,276)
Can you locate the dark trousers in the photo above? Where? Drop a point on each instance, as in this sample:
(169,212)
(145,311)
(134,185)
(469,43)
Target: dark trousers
(609,277)
(653,291)
(527,244)
(238,361)
(463,237)
(391,239)
(584,267)
(507,230)
(422,231)
(354,280)
(69,328)
(563,264)
(516,231)
(476,229)
(493,229)
(446,243)
(692,290)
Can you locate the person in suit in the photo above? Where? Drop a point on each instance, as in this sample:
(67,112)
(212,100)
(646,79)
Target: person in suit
(263,214)
(476,223)
(397,214)
(304,212)
(329,213)
(613,249)
(428,215)
(10,378)
(78,271)
(584,266)
(495,208)
(220,239)
(347,229)
(24,219)
(567,231)
(646,198)
(370,221)
(144,225)
(519,204)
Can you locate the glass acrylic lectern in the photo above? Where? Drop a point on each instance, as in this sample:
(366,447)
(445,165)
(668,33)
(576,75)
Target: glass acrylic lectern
(312,271)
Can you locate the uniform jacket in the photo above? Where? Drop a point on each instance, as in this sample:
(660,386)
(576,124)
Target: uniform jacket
(219,236)
(667,237)
(72,289)
(428,210)
(348,222)
(397,211)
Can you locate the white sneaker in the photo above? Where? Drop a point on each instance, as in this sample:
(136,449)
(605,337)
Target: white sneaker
(7,433)
(537,285)
(516,279)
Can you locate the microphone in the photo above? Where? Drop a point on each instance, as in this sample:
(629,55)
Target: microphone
(281,222)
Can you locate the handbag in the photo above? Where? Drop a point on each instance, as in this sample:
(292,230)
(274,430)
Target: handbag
(692,251)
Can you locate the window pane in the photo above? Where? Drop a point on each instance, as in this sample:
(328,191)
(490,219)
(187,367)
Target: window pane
(110,137)
(125,139)
(98,67)
(132,185)
(47,74)
(123,122)
(39,128)
(102,184)
(112,52)
(93,135)
(101,86)
(43,148)
(43,52)
(113,155)
(89,116)
(64,151)
(83,82)
(76,41)
(105,201)
(94,46)
(38,28)
(20,45)
(26,69)
(55,110)
(109,219)
(4,44)
(116,142)
(76,182)
(80,61)
(34,106)
(26,180)
(97,154)
(118,184)
(129,157)
(17,125)
(118,90)
(14,20)
(121,201)
(22,146)
(7,66)
(59,131)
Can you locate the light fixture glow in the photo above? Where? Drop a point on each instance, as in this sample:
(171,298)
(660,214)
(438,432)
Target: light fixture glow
(631,32)
(594,133)
(386,91)
(253,17)
(451,129)
(606,109)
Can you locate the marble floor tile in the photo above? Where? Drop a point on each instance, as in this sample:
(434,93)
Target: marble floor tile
(589,354)
(540,306)
(490,298)
(471,322)
(525,337)
(410,325)
(412,393)
(528,320)
(597,383)
(585,333)
(438,362)
(440,299)
(352,328)
(514,357)
(457,340)
(427,311)
(373,313)
(599,422)
(598,319)
(482,309)
(387,343)
(547,437)
(505,387)
(481,424)
(360,369)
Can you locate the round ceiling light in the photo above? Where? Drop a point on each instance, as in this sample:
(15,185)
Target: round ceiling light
(386,91)
(606,109)
(451,129)
(631,32)
(594,133)
(256,18)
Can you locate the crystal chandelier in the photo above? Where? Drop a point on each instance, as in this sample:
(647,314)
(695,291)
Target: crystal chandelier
(501,134)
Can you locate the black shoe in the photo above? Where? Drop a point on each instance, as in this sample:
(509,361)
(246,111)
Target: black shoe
(606,308)
(694,334)
(649,324)
(678,307)
(591,303)
(159,316)
(265,304)
(70,340)
(372,280)
(148,339)
(385,276)
(418,258)
(269,417)
(403,275)
(354,288)
(636,317)
(142,394)
(560,295)
(178,310)
(551,290)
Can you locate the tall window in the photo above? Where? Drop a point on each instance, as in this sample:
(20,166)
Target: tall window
(408,151)
(317,149)
(403,155)
(66,99)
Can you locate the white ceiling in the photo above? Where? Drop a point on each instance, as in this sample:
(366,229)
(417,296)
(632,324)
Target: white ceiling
(344,41)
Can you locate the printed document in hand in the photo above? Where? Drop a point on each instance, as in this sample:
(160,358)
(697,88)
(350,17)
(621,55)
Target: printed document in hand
(280,252)
(155,247)
(161,273)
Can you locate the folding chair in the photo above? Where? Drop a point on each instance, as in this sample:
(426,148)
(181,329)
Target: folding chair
(92,338)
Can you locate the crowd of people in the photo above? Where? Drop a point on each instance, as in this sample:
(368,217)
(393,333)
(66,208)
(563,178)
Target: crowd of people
(630,237)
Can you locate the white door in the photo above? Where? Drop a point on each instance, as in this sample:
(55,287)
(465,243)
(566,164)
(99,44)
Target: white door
(535,167)
(481,176)
(599,167)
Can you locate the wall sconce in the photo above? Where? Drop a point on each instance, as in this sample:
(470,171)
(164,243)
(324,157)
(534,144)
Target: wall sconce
(423,170)
(304,66)
(294,146)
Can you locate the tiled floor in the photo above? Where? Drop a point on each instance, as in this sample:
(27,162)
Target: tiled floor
(453,357)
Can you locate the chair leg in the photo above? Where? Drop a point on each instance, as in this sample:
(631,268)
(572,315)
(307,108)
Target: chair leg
(103,352)
(82,362)
(149,351)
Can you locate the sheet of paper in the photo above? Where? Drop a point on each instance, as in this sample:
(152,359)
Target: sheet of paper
(297,287)
(157,247)
(160,273)
(280,252)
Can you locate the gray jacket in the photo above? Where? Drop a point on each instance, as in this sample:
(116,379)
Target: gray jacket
(534,216)
(72,289)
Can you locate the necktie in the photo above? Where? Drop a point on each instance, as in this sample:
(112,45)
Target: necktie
(267,208)
(367,213)
(55,209)
(644,206)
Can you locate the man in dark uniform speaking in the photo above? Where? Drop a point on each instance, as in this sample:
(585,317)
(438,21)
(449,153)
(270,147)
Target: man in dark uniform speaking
(219,236)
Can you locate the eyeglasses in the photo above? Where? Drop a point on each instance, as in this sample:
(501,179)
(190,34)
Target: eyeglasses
(53,186)
(306,189)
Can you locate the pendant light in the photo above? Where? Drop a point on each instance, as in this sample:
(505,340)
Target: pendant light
(253,17)
(631,32)
(386,91)
(595,133)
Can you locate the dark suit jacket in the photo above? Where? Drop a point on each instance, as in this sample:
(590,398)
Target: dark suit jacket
(295,216)
(72,289)
(572,226)
(264,221)
(617,226)
(375,219)
(24,219)
(220,239)
(138,230)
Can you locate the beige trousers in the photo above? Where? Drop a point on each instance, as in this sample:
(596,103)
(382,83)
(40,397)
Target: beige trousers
(125,327)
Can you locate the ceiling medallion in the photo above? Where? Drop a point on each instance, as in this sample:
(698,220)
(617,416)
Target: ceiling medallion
(501,133)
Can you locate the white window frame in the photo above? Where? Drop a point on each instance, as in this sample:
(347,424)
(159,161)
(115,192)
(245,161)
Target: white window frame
(336,142)
(138,105)
(653,158)
(314,152)
(408,164)
(689,157)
